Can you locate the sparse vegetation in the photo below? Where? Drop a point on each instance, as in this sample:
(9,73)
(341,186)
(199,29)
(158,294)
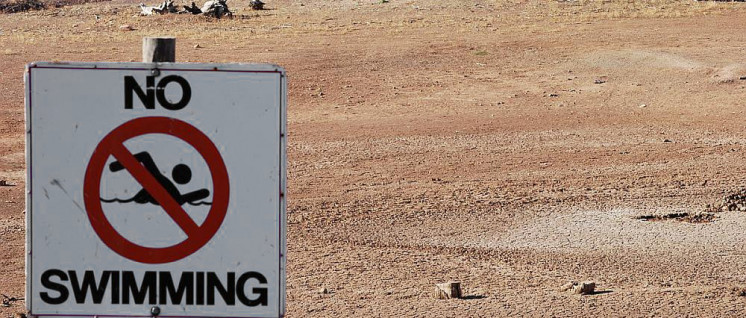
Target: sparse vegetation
(20,5)
(14,6)
(681,217)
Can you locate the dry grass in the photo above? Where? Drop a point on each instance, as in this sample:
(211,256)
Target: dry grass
(586,10)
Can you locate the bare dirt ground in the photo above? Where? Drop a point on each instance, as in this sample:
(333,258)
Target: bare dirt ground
(509,145)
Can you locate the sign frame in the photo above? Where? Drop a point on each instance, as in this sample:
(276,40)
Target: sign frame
(155,69)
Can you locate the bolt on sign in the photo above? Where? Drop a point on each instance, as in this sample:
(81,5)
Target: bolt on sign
(155,190)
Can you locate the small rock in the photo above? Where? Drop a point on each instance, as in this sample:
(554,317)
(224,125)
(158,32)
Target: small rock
(19,315)
(257,5)
(323,290)
(643,105)
(126,27)
(197,46)
(742,78)
(599,81)
(449,290)
(667,140)
(567,286)
(739,291)
(584,288)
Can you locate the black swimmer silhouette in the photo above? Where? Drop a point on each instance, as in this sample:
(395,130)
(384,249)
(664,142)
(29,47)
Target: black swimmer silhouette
(181,174)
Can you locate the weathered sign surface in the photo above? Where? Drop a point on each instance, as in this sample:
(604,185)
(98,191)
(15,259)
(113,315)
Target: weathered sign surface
(155,191)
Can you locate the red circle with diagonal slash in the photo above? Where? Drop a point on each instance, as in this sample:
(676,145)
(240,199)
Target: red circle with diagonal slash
(113,145)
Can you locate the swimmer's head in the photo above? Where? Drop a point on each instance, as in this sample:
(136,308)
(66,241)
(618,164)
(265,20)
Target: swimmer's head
(181,174)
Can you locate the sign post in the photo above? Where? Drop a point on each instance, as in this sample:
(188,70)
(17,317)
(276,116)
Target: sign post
(155,189)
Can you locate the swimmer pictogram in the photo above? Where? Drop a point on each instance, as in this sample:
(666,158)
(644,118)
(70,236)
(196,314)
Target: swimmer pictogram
(180,174)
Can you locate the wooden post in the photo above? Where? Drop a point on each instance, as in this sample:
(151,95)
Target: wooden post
(158,50)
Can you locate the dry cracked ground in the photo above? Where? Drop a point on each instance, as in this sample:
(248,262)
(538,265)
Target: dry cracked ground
(510,145)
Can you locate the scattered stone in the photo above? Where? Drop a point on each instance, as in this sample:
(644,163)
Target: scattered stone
(323,291)
(733,202)
(193,9)
(166,6)
(584,288)
(449,290)
(742,78)
(667,140)
(213,8)
(256,5)
(739,291)
(599,81)
(216,9)
(553,95)
(8,300)
(126,27)
(19,315)
(643,105)
(567,286)
(197,46)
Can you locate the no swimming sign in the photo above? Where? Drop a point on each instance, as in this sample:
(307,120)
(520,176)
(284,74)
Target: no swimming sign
(155,191)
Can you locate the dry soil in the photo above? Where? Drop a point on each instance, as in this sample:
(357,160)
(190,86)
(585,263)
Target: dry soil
(509,145)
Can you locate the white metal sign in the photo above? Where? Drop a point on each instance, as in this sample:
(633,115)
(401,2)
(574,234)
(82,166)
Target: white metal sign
(155,190)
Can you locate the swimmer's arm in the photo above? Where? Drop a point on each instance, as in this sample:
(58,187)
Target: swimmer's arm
(195,195)
(143,157)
